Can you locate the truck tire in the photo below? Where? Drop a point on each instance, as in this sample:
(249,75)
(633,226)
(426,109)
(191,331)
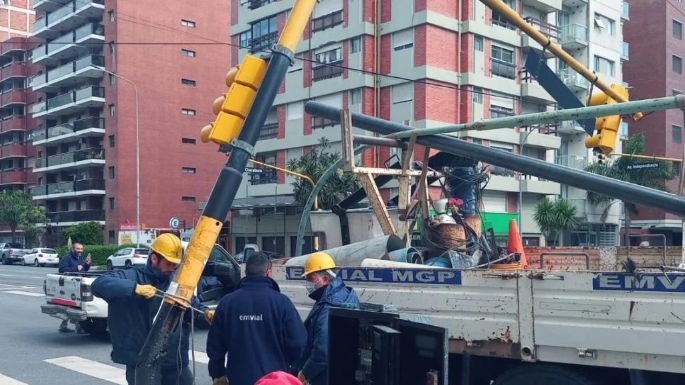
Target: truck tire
(94,326)
(539,374)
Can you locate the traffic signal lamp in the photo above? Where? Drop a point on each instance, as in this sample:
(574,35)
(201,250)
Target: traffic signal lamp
(607,127)
(232,108)
(601,158)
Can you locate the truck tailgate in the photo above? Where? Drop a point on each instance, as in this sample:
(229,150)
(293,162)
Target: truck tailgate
(63,290)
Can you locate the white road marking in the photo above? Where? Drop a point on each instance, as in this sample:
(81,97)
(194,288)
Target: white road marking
(26,293)
(91,368)
(4,380)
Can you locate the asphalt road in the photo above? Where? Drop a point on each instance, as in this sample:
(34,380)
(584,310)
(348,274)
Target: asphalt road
(33,352)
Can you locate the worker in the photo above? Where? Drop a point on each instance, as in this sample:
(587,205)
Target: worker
(328,290)
(256,326)
(133,301)
(278,378)
(73,262)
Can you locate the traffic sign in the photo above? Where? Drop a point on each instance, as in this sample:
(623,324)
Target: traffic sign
(253,170)
(638,166)
(174,222)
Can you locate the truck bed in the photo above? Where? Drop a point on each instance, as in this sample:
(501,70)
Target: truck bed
(608,319)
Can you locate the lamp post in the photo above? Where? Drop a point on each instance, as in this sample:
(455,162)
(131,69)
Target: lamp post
(520,208)
(135,89)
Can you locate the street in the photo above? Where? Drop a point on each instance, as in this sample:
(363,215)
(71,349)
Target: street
(33,352)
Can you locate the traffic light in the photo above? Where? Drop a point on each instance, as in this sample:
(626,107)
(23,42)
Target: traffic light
(601,158)
(232,108)
(607,127)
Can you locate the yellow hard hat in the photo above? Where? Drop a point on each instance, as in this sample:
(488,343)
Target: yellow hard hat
(169,247)
(318,261)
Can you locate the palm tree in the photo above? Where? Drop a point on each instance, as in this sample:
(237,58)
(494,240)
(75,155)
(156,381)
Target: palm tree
(553,217)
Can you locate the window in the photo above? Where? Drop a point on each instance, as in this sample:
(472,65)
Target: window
(112,142)
(111,203)
(478,43)
(677,30)
(355,45)
(605,24)
(188,111)
(268,131)
(402,93)
(502,54)
(403,40)
(188,170)
(111,172)
(477,95)
(501,20)
(676,168)
(187,198)
(112,79)
(330,56)
(245,39)
(604,66)
(267,175)
(327,21)
(188,82)
(112,237)
(187,52)
(355,96)
(502,62)
(112,110)
(327,64)
(263,34)
(188,23)
(188,141)
(677,64)
(677,133)
(500,112)
(112,16)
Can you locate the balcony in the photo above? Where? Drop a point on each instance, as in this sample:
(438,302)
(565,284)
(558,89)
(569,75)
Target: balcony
(502,68)
(13,150)
(544,187)
(570,127)
(69,189)
(625,11)
(327,21)
(573,80)
(89,127)
(625,51)
(70,74)
(13,176)
(574,36)
(254,4)
(14,96)
(67,17)
(76,216)
(532,91)
(573,161)
(13,44)
(574,3)
(14,69)
(13,123)
(546,6)
(547,29)
(70,102)
(264,42)
(74,159)
(327,71)
(48,5)
(72,44)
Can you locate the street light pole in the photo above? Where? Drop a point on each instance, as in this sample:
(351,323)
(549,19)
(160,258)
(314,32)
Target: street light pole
(135,90)
(520,208)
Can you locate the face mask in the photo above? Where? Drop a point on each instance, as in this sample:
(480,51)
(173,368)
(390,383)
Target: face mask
(310,287)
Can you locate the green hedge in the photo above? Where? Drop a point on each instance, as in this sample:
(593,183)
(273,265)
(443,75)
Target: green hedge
(98,253)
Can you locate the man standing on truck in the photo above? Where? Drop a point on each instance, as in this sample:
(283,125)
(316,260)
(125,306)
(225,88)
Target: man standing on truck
(328,290)
(73,262)
(132,305)
(256,314)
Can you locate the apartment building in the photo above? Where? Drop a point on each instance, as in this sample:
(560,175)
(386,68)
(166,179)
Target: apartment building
(656,70)
(125,88)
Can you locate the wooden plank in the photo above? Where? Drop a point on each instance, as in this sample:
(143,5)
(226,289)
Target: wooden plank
(377,204)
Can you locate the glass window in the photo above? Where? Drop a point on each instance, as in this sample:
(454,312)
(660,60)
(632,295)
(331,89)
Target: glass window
(187,52)
(188,170)
(186,198)
(677,64)
(112,141)
(677,30)
(605,24)
(112,16)
(502,54)
(604,66)
(188,82)
(188,23)
(677,133)
(188,111)
(111,203)
(355,45)
(478,43)
(188,141)
(355,96)
(263,34)
(477,95)
(111,172)
(245,39)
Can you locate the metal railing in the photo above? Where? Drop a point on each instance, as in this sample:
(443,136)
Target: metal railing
(68,128)
(76,216)
(503,69)
(328,70)
(546,28)
(263,42)
(68,186)
(327,21)
(574,33)
(71,157)
(572,79)
(254,4)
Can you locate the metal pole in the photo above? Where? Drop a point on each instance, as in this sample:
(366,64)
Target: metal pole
(561,174)
(627,108)
(523,143)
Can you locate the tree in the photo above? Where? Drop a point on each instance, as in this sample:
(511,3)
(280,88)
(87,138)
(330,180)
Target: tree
(17,211)
(313,165)
(553,217)
(89,233)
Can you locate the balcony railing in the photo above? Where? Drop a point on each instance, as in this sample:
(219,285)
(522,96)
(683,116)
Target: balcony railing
(327,21)
(71,157)
(68,186)
(67,128)
(13,150)
(574,33)
(13,123)
(254,4)
(268,131)
(328,70)
(263,42)
(503,69)
(76,216)
(15,96)
(547,29)
(572,79)
(17,68)
(319,122)
(73,37)
(70,97)
(75,66)
(13,176)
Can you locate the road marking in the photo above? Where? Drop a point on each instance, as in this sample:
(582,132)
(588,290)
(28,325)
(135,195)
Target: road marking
(200,357)
(91,368)
(26,293)
(4,380)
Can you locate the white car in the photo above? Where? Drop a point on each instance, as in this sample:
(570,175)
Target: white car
(41,257)
(127,257)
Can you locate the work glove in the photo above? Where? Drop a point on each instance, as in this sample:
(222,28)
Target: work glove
(209,316)
(302,378)
(220,381)
(147,291)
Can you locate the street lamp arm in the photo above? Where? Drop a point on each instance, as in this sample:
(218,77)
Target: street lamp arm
(297,174)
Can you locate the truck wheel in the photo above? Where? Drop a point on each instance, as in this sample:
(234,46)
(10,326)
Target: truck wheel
(94,326)
(109,266)
(534,374)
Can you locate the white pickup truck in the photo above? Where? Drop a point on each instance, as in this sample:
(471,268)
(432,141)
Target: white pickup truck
(68,296)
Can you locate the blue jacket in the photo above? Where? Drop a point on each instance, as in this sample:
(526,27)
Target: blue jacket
(260,330)
(69,263)
(130,316)
(314,361)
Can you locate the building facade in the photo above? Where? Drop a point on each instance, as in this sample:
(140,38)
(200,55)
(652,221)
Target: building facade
(657,71)
(125,88)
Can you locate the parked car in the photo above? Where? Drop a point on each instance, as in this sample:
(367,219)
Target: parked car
(127,257)
(11,253)
(41,257)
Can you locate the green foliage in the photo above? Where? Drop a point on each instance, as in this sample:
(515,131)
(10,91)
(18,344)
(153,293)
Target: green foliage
(313,165)
(621,170)
(98,253)
(89,233)
(553,217)
(17,211)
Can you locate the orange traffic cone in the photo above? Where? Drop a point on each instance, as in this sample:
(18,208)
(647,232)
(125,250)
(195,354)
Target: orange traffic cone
(514,244)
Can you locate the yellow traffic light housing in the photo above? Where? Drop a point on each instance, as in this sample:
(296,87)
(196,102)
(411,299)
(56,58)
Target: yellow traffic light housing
(232,108)
(607,127)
